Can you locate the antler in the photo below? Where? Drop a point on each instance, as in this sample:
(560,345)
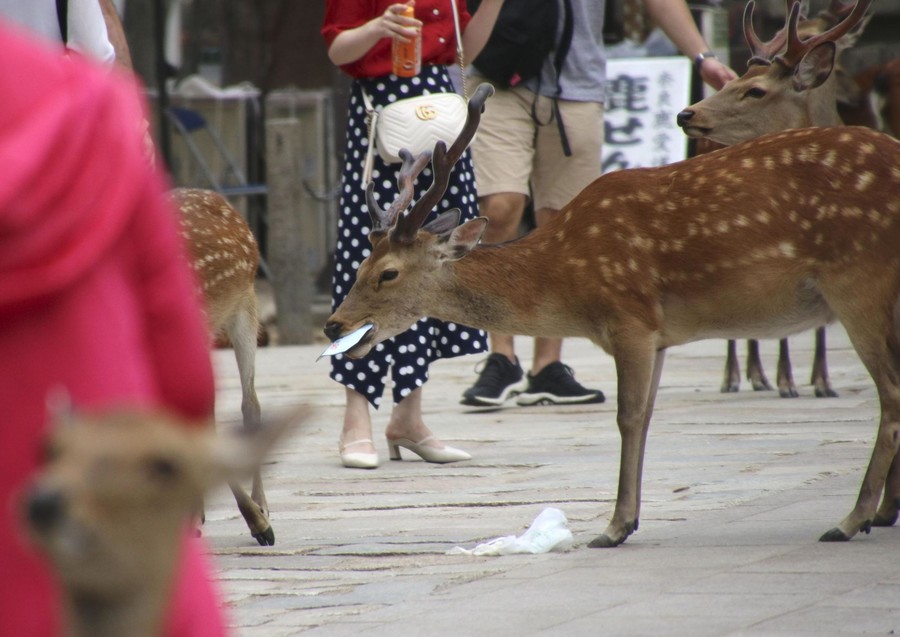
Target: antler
(761,52)
(442,162)
(797,48)
(837,10)
(409,170)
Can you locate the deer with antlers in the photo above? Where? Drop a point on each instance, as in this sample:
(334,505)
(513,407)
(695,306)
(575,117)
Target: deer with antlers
(762,239)
(225,256)
(782,89)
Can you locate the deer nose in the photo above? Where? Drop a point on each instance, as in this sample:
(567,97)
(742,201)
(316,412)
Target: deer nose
(44,508)
(333,330)
(684,117)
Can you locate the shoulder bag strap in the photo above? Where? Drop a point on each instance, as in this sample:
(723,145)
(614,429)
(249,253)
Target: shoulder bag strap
(459,49)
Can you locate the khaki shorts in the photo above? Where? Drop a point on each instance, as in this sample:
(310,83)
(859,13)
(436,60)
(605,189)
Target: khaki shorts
(511,152)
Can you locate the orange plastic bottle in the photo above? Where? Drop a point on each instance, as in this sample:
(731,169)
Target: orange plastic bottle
(406,57)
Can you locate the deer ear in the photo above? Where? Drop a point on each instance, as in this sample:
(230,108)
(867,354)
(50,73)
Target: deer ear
(815,67)
(464,238)
(444,223)
(237,454)
(376,235)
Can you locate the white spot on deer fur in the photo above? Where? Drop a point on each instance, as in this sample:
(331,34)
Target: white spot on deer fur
(605,203)
(748,163)
(829,158)
(864,180)
(768,162)
(577,262)
(867,148)
(763,217)
(787,249)
(844,137)
(593,231)
(787,158)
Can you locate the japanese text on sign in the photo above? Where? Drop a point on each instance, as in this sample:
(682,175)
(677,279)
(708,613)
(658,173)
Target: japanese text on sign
(643,95)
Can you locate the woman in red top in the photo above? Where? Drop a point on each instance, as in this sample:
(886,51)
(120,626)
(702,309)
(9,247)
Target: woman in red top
(96,297)
(359,34)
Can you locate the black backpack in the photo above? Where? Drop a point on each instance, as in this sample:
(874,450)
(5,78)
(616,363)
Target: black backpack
(523,37)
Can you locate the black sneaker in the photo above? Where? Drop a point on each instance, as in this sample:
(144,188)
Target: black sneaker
(556,385)
(498,381)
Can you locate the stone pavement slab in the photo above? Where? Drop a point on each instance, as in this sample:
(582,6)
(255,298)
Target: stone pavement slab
(737,489)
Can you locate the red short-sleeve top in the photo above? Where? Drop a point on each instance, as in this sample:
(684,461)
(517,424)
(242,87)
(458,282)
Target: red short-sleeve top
(438,33)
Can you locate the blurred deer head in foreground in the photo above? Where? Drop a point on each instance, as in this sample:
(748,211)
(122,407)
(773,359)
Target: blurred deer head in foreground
(111,505)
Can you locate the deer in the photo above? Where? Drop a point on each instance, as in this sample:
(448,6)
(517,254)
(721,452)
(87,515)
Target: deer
(110,507)
(796,88)
(225,256)
(762,239)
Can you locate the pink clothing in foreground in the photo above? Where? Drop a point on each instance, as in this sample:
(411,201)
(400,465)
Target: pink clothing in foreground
(96,296)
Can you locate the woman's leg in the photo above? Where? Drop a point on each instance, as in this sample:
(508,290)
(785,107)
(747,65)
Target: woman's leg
(407,429)
(356,447)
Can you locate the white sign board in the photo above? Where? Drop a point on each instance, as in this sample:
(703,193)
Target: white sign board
(643,95)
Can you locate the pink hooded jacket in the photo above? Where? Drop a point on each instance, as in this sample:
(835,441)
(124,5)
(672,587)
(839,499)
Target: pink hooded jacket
(96,296)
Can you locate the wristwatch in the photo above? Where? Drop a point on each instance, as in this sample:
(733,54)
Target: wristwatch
(698,60)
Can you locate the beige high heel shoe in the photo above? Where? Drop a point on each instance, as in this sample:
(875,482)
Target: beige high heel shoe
(357,459)
(426,453)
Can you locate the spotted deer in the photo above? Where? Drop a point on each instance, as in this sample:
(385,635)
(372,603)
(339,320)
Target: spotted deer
(111,505)
(782,89)
(225,256)
(758,240)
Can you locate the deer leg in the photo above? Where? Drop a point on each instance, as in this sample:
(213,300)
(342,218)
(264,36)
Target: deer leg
(881,356)
(786,386)
(731,380)
(243,330)
(755,373)
(819,378)
(639,373)
(890,502)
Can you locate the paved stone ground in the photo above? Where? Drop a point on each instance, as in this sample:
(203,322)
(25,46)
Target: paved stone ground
(737,489)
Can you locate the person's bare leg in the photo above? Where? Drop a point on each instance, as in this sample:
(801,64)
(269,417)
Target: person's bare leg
(406,421)
(407,429)
(357,422)
(546,350)
(505,211)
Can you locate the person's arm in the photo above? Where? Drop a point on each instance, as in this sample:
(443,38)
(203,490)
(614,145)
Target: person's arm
(675,19)
(353,44)
(479,28)
(87,32)
(116,34)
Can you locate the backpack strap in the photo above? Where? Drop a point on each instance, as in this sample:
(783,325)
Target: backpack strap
(562,51)
(62,15)
(559,58)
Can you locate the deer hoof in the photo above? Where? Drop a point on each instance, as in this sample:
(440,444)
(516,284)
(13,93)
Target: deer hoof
(604,542)
(266,538)
(835,535)
(788,392)
(761,385)
(731,388)
(825,392)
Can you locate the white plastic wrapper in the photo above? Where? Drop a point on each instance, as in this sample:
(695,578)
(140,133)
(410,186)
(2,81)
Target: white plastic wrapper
(547,533)
(346,342)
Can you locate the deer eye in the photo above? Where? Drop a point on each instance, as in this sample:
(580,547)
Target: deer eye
(755,92)
(161,468)
(388,275)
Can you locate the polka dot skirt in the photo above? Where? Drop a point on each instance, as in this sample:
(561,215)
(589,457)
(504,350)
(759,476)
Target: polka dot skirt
(406,356)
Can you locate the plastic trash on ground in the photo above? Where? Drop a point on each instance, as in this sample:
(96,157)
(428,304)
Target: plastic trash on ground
(547,533)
